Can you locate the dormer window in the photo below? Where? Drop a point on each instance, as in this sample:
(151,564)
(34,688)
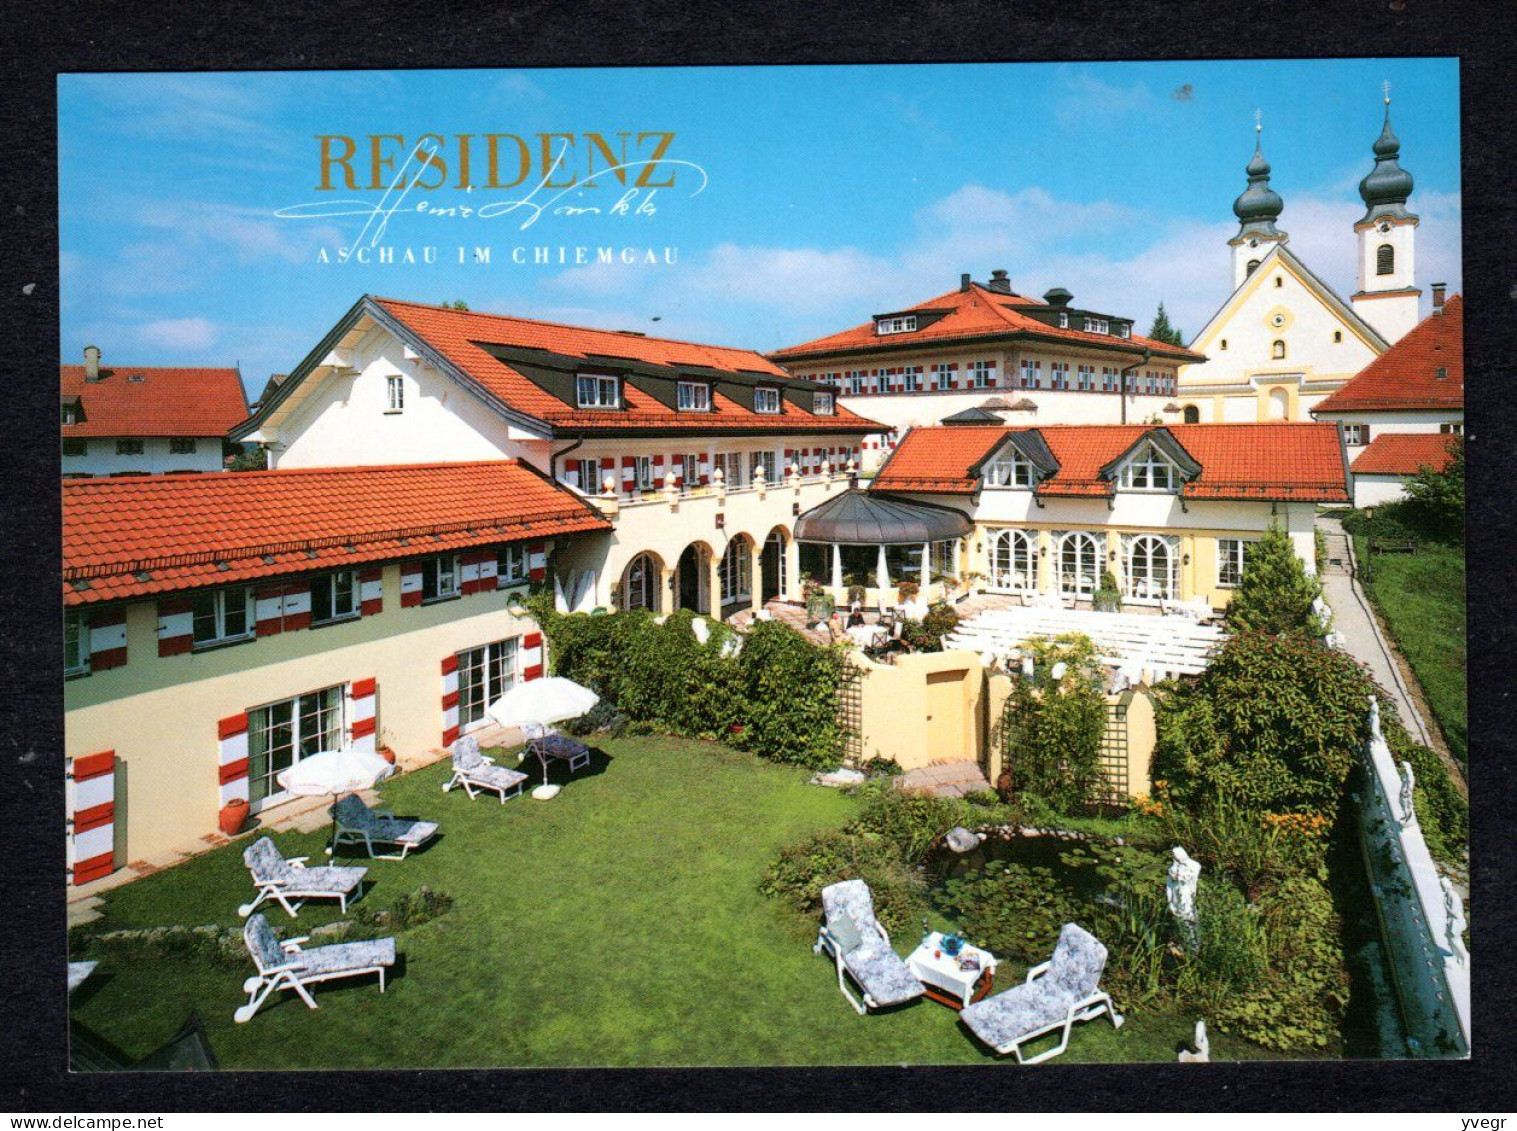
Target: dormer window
(70,414)
(766,400)
(1010,469)
(1150,470)
(1441,373)
(694,396)
(595,391)
(1097,326)
(823,404)
(902,324)
(1063,321)
(1125,329)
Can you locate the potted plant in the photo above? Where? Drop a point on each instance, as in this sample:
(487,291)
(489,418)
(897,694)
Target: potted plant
(856,595)
(234,814)
(819,603)
(1108,598)
(908,591)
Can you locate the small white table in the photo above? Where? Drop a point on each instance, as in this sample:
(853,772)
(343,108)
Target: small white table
(944,980)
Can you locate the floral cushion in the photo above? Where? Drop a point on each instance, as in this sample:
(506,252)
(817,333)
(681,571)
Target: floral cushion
(262,943)
(466,754)
(265,861)
(849,907)
(268,866)
(1017,1012)
(882,974)
(352,813)
(1078,961)
(496,777)
(339,957)
(853,899)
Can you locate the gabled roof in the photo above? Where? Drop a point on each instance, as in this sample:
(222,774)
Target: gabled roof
(149,401)
(973,416)
(1405,377)
(525,370)
(1272,461)
(140,535)
(1404,453)
(975,313)
(1310,280)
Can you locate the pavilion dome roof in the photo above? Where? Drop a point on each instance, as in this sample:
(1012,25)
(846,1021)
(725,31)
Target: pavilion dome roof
(863,518)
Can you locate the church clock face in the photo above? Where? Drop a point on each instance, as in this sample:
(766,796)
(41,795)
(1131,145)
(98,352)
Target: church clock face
(1385,226)
(1277,321)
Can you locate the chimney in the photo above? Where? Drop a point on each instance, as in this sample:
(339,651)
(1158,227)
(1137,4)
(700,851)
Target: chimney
(1057,296)
(1439,290)
(964,281)
(1000,282)
(92,363)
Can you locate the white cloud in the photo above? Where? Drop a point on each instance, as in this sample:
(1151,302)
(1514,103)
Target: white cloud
(178,333)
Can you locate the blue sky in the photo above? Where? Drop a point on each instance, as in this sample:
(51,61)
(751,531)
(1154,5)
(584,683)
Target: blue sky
(830,193)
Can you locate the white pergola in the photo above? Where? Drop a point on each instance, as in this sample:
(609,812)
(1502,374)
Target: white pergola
(1150,648)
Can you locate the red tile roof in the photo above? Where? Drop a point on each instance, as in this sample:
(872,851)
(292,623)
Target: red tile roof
(132,537)
(460,335)
(1238,461)
(1405,377)
(166,402)
(976,313)
(1403,453)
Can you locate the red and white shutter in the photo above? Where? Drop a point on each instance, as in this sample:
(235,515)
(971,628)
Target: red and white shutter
(532,655)
(658,471)
(268,609)
(468,572)
(176,626)
(629,474)
(410,584)
(449,700)
(232,758)
(297,606)
(790,458)
(537,562)
(489,570)
(705,468)
(92,816)
(107,639)
(953,375)
(679,471)
(361,732)
(371,590)
(607,471)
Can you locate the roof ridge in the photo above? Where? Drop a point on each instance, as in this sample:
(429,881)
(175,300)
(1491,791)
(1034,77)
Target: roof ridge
(636,335)
(284,472)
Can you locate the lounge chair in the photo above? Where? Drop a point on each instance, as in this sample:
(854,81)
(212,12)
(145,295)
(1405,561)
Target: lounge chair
(283,880)
(1057,993)
(358,824)
(285,966)
(861,948)
(475,772)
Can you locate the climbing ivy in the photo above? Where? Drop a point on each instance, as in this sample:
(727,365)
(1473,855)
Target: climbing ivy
(1051,728)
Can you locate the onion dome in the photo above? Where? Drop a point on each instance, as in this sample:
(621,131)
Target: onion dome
(1388,185)
(1259,206)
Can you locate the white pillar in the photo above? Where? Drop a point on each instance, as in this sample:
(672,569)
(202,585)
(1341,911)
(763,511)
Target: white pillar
(926,579)
(882,575)
(837,566)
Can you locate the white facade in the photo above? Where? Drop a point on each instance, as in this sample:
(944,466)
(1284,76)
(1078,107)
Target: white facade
(1376,490)
(157,454)
(1279,346)
(1388,298)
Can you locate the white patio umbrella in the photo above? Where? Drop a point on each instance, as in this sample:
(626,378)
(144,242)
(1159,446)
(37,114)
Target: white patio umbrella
(539,703)
(333,773)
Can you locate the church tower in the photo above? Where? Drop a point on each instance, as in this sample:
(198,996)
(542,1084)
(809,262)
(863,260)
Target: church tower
(1387,297)
(1257,210)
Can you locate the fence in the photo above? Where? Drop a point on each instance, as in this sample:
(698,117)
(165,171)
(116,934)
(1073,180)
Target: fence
(1421,916)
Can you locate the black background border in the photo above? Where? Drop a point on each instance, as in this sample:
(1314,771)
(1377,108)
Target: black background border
(276,35)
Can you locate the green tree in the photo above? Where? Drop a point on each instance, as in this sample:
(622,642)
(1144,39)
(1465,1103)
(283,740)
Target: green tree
(1276,593)
(456,304)
(1162,331)
(1438,496)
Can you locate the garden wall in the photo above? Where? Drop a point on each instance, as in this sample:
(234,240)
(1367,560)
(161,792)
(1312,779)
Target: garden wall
(1421,916)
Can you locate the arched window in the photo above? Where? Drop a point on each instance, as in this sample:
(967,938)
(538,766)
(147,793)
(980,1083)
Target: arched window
(1279,405)
(640,584)
(1192,414)
(1252,266)
(1080,562)
(1153,572)
(1013,561)
(1277,349)
(1337,336)
(1385,259)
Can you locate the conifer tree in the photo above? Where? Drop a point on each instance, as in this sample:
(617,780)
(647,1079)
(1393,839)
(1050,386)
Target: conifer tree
(1162,331)
(1276,593)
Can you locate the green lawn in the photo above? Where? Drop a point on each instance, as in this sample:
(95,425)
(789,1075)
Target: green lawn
(1421,598)
(616,925)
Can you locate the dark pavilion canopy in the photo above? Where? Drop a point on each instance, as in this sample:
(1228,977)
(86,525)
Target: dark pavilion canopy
(861,518)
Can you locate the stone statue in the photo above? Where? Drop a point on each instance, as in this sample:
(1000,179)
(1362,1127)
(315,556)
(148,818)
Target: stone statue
(1408,782)
(1180,889)
(1202,1055)
(1453,922)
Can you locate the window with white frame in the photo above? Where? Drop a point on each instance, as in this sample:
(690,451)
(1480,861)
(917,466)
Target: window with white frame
(1032,374)
(70,413)
(769,462)
(1097,326)
(1085,378)
(945,558)
(484,675)
(281,734)
(734,469)
(1058,373)
(982,374)
(1013,561)
(1063,321)
(76,643)
(1150,470)
(1010,469)
(596,391)
(1108,379)
(903,324)
(690,471)
(335,597)
(586,474)
(1355,435)
(439,577)
(855,381)
(1453,428)
(942,376)
(911,379)
(1153,566)
(646,479)
(512,564)
(128,447)
(222,615)
(1232,557)
(766,399)
(823,404)
(1125,330)
(395,393)
(694,396)
(182,446)
(736,572)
